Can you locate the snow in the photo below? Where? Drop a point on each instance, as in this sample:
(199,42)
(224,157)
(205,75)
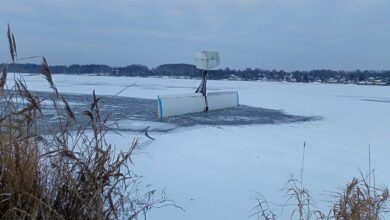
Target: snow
(214,171)
(140,125)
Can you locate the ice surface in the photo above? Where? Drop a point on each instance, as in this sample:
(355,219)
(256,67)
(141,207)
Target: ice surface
(212,171)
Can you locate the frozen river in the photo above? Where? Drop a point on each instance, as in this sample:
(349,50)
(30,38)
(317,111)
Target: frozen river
(212,164)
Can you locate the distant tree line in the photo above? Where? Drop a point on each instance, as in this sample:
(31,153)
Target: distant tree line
(190,71)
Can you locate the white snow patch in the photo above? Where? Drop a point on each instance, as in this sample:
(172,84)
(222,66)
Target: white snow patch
(213,171)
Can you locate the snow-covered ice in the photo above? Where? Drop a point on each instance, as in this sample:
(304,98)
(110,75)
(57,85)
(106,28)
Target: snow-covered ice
(213,171)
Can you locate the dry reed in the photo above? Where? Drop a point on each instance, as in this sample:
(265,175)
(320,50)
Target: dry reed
(71,172)
(358,200)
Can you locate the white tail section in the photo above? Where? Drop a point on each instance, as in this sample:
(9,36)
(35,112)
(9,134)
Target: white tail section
(207,60)
(221,100)
(171,105)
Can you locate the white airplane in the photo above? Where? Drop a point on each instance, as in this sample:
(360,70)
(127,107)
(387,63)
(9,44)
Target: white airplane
(201,100)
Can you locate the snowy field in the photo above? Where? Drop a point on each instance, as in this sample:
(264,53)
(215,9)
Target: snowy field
(214,171)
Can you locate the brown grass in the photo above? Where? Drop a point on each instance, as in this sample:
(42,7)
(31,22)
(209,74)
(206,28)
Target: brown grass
(3,79)
(71,172)
(358,200)
(11,44)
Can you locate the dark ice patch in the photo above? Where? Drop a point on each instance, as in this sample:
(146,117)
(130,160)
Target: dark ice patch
(145,110)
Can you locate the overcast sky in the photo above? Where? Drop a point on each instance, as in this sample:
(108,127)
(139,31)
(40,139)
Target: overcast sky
(269,34)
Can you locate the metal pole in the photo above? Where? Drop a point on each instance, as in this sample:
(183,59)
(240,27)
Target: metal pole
(203,89)
(204,92)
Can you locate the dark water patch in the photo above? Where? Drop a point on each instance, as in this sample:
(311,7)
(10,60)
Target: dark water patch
(242,115)
(134,114)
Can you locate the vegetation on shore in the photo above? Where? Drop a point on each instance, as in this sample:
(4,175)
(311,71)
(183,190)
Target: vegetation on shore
(361,77)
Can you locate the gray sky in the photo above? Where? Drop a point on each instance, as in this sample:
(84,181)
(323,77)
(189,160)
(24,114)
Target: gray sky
(269,34)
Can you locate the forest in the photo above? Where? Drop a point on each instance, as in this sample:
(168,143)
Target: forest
(371,77)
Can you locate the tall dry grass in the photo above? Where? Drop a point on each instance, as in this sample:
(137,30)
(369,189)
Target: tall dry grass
(358,200)
(66,171)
